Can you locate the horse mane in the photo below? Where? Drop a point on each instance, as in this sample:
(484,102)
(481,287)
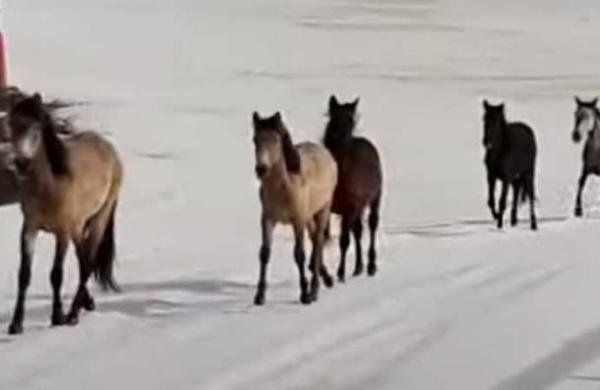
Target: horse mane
(290,153)
(56,152)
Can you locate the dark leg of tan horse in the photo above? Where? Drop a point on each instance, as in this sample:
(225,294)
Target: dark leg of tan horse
(56,279)
(28,238)
(264,256)
(300,257)
(314,230)
(85,253)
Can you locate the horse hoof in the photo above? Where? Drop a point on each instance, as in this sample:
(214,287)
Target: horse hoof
(327,280)
(578,212)
(58,320)
(514,222)
(358,271)
(15,329)
(259,299)
(72,320)
(88,303)
(371,269)
(534,226)
(305,299)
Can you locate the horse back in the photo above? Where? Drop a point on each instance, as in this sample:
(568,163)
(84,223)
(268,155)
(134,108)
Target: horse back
(318,173)
(360,177)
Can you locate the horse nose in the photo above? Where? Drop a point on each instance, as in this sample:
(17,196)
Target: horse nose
(260,170)
(576,136)
(22,163)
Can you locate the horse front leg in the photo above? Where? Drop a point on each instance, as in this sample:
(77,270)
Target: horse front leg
(344,243)
(300,258)
(581,186)
(264,255)
(491,179)
(56,279)
(28,238)
(502,205)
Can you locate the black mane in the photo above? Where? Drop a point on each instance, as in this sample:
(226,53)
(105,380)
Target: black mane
(56,152)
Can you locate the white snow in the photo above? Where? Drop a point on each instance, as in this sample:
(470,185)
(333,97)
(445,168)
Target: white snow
(456,305)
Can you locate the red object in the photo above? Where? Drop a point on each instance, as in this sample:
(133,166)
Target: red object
(2,62)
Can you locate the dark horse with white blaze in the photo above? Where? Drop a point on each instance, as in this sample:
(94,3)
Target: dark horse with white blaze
(587,122)
(67,187)
(510,154)
(360,182)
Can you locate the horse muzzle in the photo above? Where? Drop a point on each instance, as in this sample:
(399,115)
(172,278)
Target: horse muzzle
(576,136)
(261,171)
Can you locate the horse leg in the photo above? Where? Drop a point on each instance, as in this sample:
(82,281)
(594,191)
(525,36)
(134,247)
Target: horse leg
(373,224)
(316,227)
(300,257)
(530,188)
(28,238)
(56,279)
(502,207)
(316,263)
(82,249)
(357,230)
(264,255)
(514,215)
(581,185)
(492,195)
(344,243)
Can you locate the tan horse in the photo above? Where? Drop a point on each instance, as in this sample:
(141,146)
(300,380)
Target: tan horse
(68,188)
(297,184)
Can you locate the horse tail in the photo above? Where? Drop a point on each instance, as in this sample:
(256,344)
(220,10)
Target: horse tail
(105,255)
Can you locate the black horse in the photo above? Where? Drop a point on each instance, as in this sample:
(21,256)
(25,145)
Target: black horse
(510,153)
(360,181)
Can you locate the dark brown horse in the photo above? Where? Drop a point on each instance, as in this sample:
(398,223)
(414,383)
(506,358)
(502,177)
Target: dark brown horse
(67,187)
(360,181)
(510,154)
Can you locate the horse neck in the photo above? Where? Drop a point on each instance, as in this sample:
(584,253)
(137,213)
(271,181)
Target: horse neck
(278,178)
(595,133)
(40,179)
(337,144)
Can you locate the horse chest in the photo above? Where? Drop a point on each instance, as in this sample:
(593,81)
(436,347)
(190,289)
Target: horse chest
(281,205)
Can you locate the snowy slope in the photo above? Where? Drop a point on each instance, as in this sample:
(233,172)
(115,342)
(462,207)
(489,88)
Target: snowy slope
(457,305)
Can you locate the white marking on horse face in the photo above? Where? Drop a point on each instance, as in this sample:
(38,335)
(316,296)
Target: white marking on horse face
(586,124)
(26,146)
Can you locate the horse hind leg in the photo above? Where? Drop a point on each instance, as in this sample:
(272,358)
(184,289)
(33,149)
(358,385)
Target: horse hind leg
(315,230)
(514,215)
(344,243)
(357,231)
(373,225)
(94,246)
(300,258)
(530,191)
(580,187)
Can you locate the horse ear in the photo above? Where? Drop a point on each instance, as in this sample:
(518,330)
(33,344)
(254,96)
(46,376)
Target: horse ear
(486,104)
(277,117)
(255,118)
(595,102)
(37,100)
(333,102)
(355,103)
(578,100)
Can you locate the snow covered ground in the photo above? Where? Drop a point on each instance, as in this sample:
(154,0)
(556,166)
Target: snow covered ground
(457,304)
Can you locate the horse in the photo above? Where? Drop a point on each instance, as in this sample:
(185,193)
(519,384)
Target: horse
(587,116)
(359,185)
(69,188)
(510,156)
(296,188)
